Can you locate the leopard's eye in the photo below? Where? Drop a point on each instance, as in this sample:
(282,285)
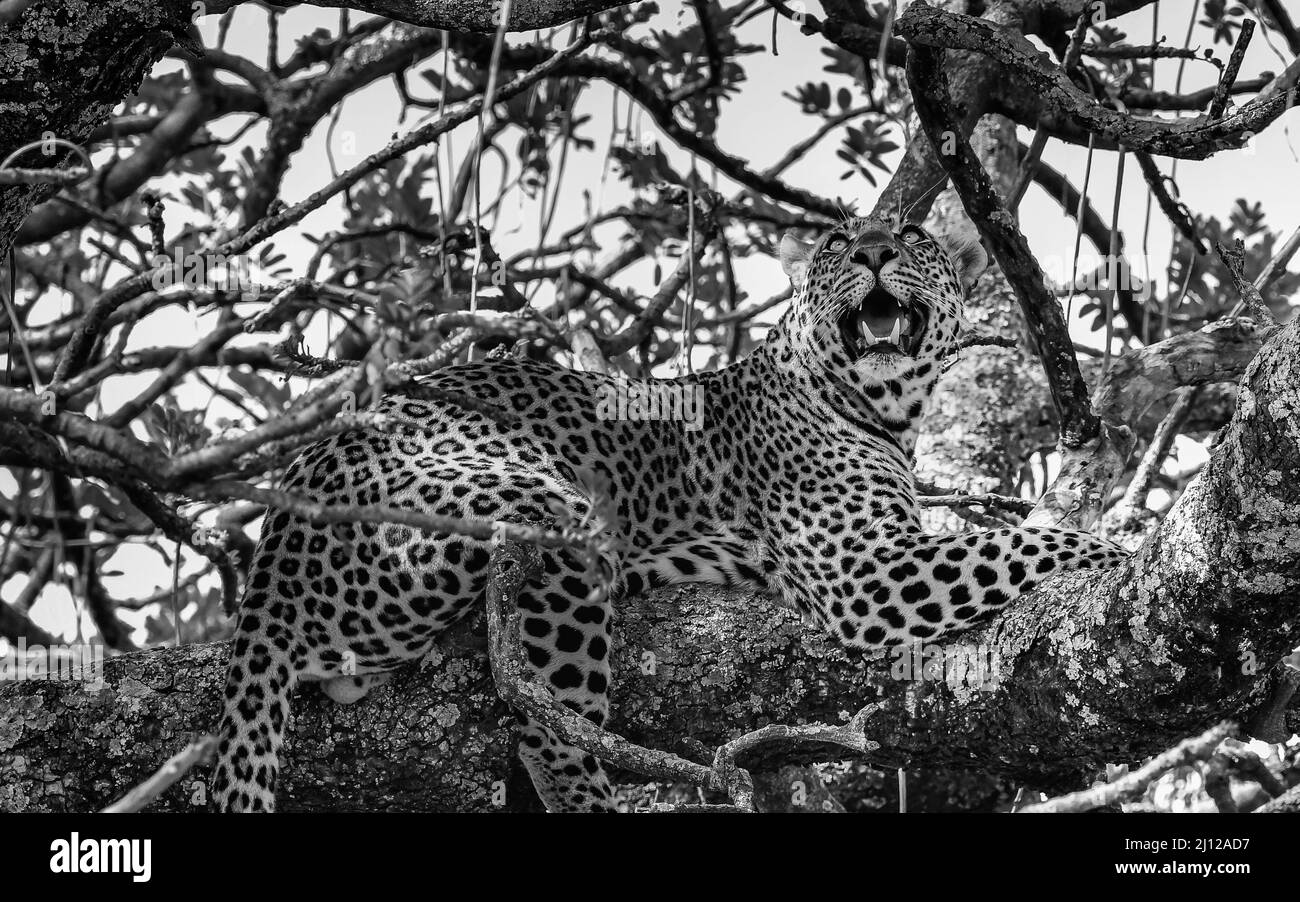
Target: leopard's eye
(837,244)
(912,235)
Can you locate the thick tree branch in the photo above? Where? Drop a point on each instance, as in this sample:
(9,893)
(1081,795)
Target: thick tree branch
(460,15)
(1043,315)
(1134,385)
(1039,77)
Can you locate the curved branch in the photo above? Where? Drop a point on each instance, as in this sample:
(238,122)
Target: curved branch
(1042,313)
(1193,139)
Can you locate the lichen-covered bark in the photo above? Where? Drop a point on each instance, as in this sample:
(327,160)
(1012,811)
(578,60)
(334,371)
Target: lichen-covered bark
(1287,803)
(437,739)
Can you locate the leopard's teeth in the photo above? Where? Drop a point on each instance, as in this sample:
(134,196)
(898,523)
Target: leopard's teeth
(897,330)
(868,337)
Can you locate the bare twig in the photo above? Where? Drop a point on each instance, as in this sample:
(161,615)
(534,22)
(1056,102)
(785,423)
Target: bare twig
(1143,99)
(1176,211)
(317,512)
(64,178)
(303,364)
(1278,264)
(1220,101)
(739,784)
(1075,48)
(1161,443)
(197,752)
(1234,259)
(1019,506)
(1197,748)
(1028,167)
(1145,51)
(986,339)
(1274,268)
(639,329)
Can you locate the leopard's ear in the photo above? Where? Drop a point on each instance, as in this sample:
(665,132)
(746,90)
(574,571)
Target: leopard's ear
(970,257)
(795,256)
(962,242)
(948,223)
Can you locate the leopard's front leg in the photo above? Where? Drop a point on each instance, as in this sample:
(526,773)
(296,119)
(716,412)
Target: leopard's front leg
(904,585)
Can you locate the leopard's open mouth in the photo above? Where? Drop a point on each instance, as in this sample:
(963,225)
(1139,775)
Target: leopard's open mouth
(882,324)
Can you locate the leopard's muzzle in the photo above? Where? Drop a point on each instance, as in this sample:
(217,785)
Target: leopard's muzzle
(882,324)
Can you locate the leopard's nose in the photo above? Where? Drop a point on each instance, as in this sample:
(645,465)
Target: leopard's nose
(874,256)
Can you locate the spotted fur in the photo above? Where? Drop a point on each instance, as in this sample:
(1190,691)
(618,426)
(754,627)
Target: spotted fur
(798,483)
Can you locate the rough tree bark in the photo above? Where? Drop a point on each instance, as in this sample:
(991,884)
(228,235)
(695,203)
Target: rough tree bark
(1217,583)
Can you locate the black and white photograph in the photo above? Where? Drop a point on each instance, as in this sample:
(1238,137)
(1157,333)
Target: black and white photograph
(433,415)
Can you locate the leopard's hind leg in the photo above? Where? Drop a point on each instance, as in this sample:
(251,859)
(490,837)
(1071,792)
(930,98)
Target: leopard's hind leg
(261,675)
(342,604)
(356,600)
(565,634)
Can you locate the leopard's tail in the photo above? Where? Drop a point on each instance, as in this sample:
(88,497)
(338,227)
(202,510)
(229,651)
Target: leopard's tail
(258,683)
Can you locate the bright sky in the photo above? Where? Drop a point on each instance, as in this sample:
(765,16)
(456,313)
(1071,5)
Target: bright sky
(760,125)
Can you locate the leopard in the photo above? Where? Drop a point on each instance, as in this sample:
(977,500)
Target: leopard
(795,481)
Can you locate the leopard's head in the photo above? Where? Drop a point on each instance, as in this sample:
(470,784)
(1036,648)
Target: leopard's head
(875,300)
